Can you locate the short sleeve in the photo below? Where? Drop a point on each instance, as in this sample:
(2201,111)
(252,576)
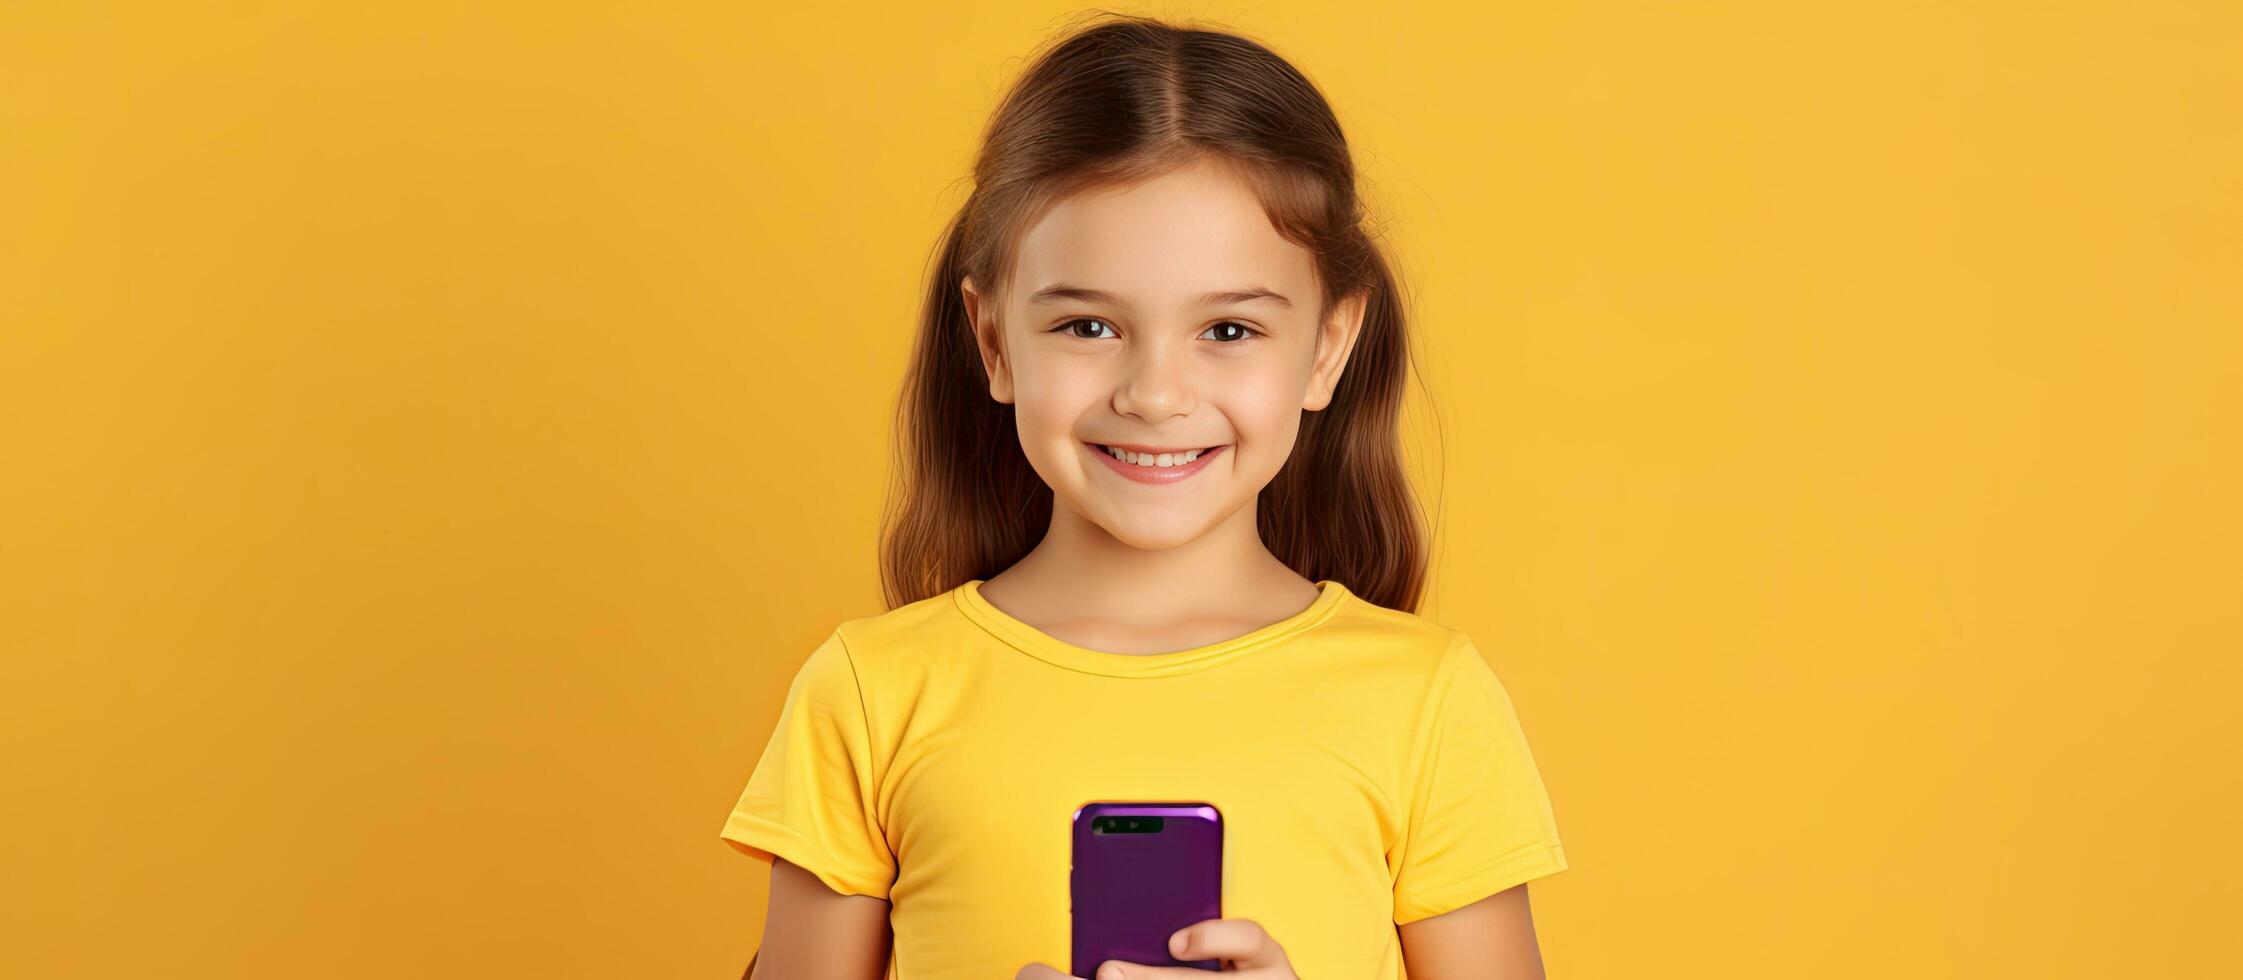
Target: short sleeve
(812,796)
(1480,821)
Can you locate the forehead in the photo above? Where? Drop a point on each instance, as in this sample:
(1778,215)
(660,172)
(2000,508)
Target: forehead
(1163,242)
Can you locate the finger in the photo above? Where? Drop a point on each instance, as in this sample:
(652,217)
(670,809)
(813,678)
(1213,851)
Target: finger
(1038,971)
(1242,941)
(1125,970)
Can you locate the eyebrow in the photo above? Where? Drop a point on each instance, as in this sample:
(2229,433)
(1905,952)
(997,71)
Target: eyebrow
(1054,294)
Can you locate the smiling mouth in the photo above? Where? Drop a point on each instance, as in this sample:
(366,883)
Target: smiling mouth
(1177,454)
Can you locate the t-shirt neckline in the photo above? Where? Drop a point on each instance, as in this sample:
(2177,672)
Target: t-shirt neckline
(1051,649)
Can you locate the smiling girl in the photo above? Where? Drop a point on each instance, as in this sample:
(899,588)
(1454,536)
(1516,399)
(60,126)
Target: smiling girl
(1155,542)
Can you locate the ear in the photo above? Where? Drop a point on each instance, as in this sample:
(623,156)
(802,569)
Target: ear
(989,338)
(1335,340)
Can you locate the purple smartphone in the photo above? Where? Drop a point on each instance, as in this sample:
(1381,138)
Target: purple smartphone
(1141,872)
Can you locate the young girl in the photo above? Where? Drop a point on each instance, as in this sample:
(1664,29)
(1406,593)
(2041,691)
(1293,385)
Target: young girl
(1156,544)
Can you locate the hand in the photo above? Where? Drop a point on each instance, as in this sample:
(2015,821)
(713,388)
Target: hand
(1242,944)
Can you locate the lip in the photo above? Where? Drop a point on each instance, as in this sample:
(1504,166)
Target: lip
(1154,474)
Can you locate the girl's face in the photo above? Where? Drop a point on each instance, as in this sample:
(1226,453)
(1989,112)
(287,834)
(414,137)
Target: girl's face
(1168,316)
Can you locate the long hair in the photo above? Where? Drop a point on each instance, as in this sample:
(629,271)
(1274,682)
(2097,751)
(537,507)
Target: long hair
(1122,100)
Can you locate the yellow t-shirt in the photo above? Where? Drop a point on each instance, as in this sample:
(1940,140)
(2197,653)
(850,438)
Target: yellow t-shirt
(1366,762)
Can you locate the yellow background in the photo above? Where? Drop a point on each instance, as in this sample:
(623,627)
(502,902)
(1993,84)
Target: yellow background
(430,440)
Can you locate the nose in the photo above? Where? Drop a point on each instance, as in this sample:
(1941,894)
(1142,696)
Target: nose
(1157,382)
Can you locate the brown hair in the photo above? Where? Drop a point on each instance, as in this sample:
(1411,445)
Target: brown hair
(1122,100)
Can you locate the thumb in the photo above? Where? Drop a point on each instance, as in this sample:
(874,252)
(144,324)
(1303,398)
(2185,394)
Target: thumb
(1241,943)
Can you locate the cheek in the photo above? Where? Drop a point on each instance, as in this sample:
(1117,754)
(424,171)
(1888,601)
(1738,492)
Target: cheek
(1261,404)
(1048,400)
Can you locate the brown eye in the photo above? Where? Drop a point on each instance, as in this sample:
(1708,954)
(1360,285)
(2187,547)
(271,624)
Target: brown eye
(1070,325)
(1243,331)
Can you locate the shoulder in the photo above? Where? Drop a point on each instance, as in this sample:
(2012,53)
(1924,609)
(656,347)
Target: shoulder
(1398,634)
(906,642)
(910,622)
(1421,653)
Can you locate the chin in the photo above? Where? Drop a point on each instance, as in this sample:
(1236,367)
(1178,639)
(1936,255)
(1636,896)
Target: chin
(1154,534)
(1152,542)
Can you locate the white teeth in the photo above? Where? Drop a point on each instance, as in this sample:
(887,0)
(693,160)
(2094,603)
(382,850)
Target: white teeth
(1150,459)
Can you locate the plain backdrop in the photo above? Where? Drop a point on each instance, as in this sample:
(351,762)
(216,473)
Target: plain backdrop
(430,439)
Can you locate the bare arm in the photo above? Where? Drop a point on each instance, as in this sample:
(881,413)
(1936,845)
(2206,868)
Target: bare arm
(815,933)
(1491,939)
